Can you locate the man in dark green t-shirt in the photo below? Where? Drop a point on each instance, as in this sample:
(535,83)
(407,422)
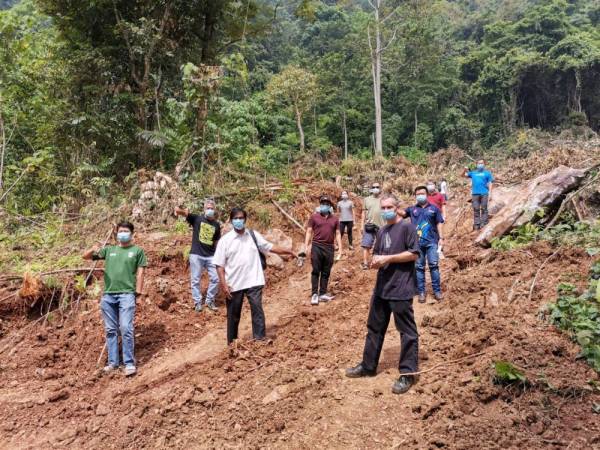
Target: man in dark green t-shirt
(123,281)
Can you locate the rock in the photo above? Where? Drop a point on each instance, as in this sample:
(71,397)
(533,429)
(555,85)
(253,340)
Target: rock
(205,398)
(102,410)
(60,395)
(278,238)
(125,424)
(275,395)
(275,261)
(517,205)
(493,299)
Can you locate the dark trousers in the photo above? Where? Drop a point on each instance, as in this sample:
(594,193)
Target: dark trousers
(322,262)
(347,227)
(404,318)
(480,210)
(234,312)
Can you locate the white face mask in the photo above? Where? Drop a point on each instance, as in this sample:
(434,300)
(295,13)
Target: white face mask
(375,191)
(344,196)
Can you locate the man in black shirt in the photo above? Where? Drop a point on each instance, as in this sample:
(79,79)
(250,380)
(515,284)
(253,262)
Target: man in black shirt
(206,233)
(394,255)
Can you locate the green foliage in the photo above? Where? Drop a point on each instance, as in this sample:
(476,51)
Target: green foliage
(519,237)
(181,227)
(507,373)
(579,316)
(585,234)
(414,155)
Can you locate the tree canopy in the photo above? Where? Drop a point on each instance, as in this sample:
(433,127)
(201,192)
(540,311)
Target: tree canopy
(92,90)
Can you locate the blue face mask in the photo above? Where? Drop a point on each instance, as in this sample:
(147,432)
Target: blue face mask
(388,214)
(124,236)
(209,212)
(324,209)
(421,199)
(238,224)
(480,166)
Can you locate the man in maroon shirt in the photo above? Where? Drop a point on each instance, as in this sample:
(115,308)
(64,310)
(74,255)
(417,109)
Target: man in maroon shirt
(435,198)
(322,231)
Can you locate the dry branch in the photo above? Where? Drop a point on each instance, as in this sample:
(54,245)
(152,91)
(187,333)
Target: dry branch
(445,363)
(538,272)
(294,221)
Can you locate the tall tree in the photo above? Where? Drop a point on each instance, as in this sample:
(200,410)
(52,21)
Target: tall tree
(296,89)
(377,46)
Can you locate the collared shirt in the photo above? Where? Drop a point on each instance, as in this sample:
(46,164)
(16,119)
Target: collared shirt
(238,255)
(480,181)
(324,228)
(120,267)
(396,281)
(436,199)
(426,219)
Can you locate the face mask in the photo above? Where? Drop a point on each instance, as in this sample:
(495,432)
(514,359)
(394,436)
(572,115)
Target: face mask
(124,236)
(430,188)
(238,224)
(375,191)
(388,214)
(325,209)
(421,199)
(344,196)
(480,166)
(209,212)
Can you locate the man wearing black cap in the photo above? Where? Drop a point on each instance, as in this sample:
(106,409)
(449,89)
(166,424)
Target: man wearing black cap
(322,231)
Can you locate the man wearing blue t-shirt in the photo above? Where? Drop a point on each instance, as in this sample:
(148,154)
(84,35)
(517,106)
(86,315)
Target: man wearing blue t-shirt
(481,190)
(428,220)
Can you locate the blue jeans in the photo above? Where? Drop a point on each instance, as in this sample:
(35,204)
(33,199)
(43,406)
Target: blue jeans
(118,311)
(428,252)
(197,265)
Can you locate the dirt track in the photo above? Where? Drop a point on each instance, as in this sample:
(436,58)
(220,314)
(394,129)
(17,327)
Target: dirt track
(290,392)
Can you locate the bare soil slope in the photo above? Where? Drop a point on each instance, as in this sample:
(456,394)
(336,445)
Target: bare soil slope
(289,392)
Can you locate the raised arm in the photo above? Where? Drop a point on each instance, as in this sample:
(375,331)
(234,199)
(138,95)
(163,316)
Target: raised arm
(182,211)
(465,172)
(89,253)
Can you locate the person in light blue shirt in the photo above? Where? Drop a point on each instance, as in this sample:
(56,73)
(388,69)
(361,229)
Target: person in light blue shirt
(481,190)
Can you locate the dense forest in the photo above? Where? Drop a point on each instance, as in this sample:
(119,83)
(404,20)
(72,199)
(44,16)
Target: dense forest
(91,91)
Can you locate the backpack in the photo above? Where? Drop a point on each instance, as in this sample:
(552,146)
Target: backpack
(263,258)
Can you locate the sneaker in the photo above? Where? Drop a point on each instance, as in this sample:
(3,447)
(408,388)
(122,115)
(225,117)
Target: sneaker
(422,298)
(326,297)
(198,307)
(359,372)
(212,307)
(403,384)
(314,300)
(109,368)
(364,266)
(130,370)
(351,247)
(438,296)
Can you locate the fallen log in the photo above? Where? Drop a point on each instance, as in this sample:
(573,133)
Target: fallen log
(517,205)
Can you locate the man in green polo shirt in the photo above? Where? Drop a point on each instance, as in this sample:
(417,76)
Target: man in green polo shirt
(123,281)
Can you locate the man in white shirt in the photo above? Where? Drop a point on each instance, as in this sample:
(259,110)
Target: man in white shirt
(240,270)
